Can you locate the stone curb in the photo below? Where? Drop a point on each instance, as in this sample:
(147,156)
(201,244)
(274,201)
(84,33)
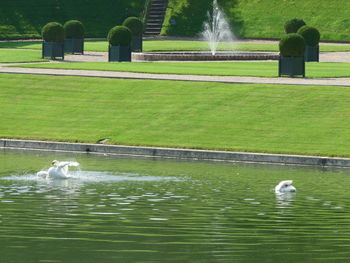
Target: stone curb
(175,153)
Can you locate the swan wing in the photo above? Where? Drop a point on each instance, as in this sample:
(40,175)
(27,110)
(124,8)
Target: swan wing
(65,164)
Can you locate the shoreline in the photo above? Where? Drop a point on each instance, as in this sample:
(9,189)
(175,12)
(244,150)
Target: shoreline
(176,153)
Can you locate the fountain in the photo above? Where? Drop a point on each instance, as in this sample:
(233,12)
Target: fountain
(215,30)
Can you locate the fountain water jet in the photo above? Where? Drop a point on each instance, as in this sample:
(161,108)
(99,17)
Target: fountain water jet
(216,29)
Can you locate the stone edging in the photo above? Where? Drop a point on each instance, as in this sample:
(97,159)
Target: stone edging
(175,153)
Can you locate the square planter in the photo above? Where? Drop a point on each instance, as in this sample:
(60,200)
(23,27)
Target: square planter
(119,53)
(53,50)
(136,44)
(291,66)
(312,53)
(74,45)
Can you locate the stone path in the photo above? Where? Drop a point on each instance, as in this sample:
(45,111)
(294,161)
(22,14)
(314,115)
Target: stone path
(224,79)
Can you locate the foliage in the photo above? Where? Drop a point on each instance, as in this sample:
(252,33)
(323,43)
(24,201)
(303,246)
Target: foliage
(135,25)
(74,29)
(53,32)
(310,34)
(24,19)
(292,25)
(292,45)
(119,36)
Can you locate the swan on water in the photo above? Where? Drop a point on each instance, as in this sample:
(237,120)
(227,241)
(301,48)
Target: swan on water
(59,170)
(285,186)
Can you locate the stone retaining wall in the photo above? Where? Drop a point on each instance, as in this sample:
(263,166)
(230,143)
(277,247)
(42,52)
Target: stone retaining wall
(175,153)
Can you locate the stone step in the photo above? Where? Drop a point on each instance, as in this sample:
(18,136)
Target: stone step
(156,15)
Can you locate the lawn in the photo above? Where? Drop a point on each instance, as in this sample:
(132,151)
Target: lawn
(243,117)
(256,69)
(176,45)
(20,55)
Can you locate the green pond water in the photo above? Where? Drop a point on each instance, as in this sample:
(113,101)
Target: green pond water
(117,209)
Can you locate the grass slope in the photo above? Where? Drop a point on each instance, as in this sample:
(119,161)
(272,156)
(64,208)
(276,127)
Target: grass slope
(264,118)
(255,69)
(25,18)
(261,18)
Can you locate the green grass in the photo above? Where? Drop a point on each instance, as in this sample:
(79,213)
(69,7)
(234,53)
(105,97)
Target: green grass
(245,117)
(256,69)
(20,55)
(261,18)
(176,45)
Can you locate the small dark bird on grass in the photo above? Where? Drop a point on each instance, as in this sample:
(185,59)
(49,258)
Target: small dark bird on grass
(102,141)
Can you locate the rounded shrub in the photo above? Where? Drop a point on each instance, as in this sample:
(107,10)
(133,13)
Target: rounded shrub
(74,29)
(53,32)
(292,25)
(119,36)
(134,24)
(310,34)
(292,45)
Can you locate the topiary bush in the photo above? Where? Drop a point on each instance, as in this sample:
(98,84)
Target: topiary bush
(310,34)
(292,25)
(134,24)
(292,45)
(119,36)
(74,29)
(53,32)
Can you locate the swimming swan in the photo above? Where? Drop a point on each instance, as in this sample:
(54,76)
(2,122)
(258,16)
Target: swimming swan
(59,170)
(285,186)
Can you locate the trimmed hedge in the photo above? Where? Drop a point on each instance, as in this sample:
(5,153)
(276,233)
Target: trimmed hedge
(21,19)
(119,36)
(134,24)
(310,34)
(292,25)
(53,32)
(292,45)
(74,29)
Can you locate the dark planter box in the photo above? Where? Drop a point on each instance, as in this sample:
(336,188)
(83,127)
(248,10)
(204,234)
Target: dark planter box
(291,66)
(74,45)
(312,53)
(136,43)
(53,50)
(119,53)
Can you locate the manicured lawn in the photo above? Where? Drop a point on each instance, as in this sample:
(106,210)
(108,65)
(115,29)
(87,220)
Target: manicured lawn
(20,55)
(175,45)
(257,69)
(245,117)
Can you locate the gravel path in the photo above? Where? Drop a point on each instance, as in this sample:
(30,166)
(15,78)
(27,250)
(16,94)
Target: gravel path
(224,79)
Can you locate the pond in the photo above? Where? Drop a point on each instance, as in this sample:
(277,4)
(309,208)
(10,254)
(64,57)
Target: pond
(118,209)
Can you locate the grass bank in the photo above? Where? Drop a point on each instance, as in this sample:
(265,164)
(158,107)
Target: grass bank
(243,117)
(261,18)
(176,45)
(254,69)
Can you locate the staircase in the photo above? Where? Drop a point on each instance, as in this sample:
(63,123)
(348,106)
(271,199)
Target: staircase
(155,18)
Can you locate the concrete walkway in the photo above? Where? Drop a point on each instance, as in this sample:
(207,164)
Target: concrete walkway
(224,79)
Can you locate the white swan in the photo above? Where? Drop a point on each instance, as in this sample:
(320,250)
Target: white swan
(285,186)
(59,170)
